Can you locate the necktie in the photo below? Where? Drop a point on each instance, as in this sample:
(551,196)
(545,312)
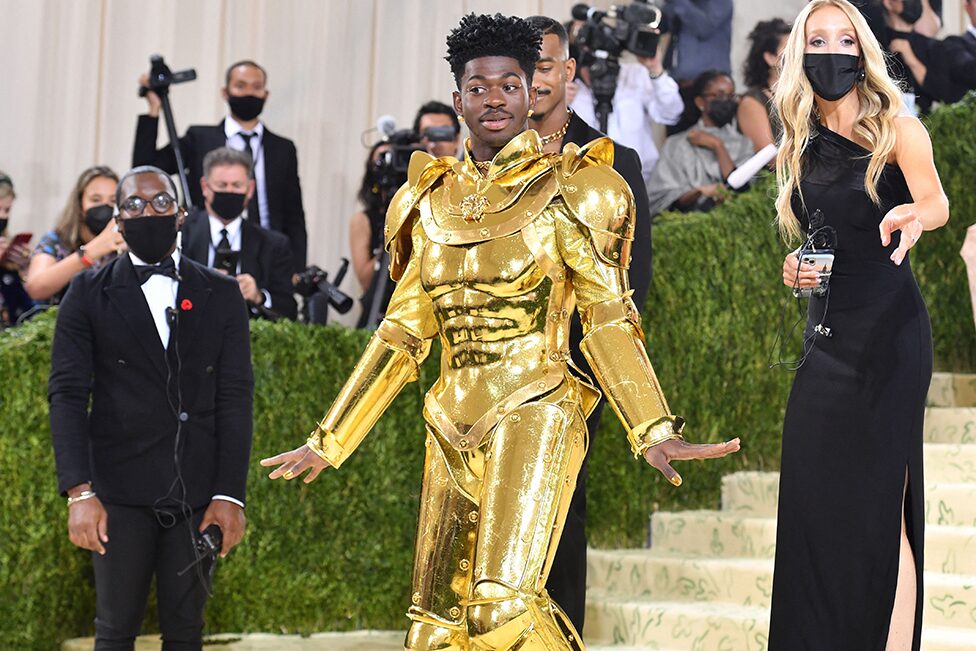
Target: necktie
(253,206)
(165,268)
(224,243)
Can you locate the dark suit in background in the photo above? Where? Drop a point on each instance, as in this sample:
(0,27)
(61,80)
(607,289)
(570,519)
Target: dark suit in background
(284,191)
(264,254)
(567,578)
(107,348)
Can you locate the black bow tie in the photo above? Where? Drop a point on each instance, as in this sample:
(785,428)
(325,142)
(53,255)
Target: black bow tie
(165,268)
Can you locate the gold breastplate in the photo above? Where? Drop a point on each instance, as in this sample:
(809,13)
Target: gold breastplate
(501,305)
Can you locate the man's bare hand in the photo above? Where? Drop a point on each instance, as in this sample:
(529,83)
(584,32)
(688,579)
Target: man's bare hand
(230,518)
(292,464)
(249,289)
(88,524)
(661,455)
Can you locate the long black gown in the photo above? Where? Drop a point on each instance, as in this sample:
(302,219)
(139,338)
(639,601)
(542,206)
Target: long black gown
(853,423)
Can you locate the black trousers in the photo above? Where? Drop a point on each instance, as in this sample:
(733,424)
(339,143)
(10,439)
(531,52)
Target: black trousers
(138,548)
(567,578)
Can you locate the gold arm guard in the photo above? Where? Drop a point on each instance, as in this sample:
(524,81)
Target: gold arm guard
(613,345)
(390,362)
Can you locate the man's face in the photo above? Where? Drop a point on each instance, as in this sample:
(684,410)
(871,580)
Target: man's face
(157,197)
(554,70)
(440,147)
(494,98)
(246,80)
(226,178)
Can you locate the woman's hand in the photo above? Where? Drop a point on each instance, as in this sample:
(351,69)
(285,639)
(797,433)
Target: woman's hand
(901,218)
(294,463)
(661,455)
(18,256)
(108,241)
(798,277)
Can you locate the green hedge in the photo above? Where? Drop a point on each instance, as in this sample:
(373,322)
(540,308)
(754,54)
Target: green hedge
(337,555)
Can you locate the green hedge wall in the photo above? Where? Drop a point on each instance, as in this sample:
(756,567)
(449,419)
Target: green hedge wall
(337,555)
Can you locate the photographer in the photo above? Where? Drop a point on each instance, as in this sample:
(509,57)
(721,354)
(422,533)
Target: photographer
(219,237)
(150,397)
(386,171)
(435,121)
(277,202)
(85,237)
(645,93)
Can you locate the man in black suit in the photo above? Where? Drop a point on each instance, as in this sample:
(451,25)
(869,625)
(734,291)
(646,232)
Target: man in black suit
(277,203)
(160,346)
(219,237)
(558,126)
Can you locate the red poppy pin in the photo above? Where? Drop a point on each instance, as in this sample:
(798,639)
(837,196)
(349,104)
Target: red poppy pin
(186,305)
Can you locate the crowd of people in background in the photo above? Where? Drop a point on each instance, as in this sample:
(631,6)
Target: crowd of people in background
(686,92)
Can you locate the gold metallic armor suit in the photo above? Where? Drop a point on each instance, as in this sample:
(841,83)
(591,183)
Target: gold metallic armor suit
(493,264)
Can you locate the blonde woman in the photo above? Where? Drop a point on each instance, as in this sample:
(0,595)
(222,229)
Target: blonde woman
(848,571)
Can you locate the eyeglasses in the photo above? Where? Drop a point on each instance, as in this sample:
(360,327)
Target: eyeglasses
(135,206)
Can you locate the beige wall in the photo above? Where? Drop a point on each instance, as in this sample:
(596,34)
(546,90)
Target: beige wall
(70,69)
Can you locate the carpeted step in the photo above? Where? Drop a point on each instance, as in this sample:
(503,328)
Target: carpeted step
(946,462)
(950,425)
(952,390)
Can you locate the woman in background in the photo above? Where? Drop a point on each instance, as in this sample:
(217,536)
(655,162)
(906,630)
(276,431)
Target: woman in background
(84,237)
(756,115)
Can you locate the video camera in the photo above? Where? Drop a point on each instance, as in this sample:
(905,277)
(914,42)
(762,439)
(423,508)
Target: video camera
(635,28)
(319,293)
(392,164)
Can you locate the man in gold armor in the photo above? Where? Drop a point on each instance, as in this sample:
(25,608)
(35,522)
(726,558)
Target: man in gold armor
(491,254)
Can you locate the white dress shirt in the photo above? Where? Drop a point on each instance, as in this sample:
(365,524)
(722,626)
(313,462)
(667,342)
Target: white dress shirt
(233,130)
(639,100)
(160,292)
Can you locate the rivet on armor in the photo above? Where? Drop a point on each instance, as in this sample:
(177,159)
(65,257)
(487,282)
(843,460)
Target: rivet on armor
(464,564)
(614,255)
(463,443)
(541,384)
(484,232)
(473,516)
(455,612)
(515,418)
(547,457)
(554,357)
(529,213)
(415,598)
(569,187)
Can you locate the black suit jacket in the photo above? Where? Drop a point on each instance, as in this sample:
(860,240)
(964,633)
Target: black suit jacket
(264,254)
(106,348)
(284,190)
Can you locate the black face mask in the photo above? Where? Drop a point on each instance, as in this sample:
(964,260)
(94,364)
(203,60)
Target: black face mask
(3,224)
(98,217)
(911,11)
(721,111)
(150,238)
(832,75)
(245,107)
(228,205)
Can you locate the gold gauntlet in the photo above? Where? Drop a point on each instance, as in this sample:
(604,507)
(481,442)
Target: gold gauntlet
(389,363)
(613,345)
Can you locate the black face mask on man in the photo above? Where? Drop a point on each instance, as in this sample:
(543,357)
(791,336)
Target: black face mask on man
(150,238)
(98,217)
(228,205)
(832,76)
(721,111)
(245,107)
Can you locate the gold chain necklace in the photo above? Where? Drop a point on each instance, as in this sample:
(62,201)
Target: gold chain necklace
(558,134)
(482,165)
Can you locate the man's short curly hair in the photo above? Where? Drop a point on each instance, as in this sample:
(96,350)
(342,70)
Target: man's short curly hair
(483,35)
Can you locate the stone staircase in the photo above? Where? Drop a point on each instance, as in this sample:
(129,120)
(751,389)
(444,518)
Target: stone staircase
(705,584)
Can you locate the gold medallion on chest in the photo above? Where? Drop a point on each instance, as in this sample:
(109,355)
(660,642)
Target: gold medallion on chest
(473,207)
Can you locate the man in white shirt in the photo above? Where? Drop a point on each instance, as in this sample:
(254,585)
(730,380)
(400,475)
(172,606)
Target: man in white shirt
(158,346)
(645,94)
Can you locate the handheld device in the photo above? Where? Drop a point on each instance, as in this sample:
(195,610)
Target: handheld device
(20,239)
(823,263)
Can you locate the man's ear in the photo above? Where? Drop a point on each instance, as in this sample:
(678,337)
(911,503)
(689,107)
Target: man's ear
(700,104)
(533,96)
(456,96)
(180,217)
(203,185)
(570,70)
(251,189)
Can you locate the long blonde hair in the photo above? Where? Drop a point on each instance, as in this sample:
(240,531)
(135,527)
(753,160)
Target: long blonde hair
(72,217)
(880,103)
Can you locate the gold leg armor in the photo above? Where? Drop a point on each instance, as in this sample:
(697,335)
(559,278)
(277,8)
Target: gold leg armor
(490,520)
